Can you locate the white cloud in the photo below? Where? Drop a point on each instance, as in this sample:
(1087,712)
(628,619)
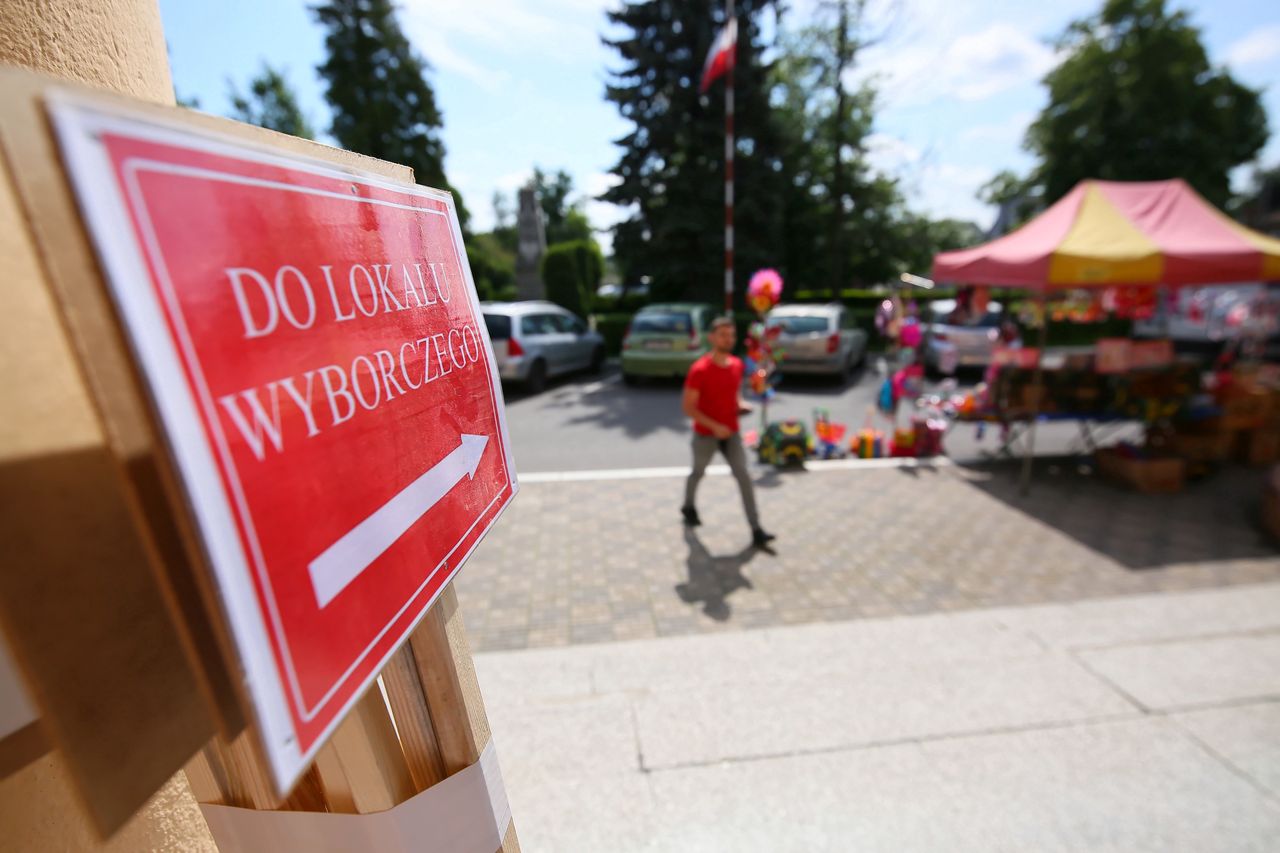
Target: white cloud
(993,60)
(598,182)
(1007,132)
(970,67)
(891,154)
(602,215)
(948,190)
(933,187)
(512,181)
(1261,45)
(457,37)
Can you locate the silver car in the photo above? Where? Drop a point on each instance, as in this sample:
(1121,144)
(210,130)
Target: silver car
(952,342)
(533,341)
(817,339)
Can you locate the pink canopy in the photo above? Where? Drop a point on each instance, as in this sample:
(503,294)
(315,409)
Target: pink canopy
(1106,233)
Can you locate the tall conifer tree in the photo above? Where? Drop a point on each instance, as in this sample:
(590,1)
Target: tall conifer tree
(672,163)
(376,83)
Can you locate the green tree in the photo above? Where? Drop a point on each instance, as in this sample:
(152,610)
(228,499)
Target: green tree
(564,220)
(376,83)
(1137,99)
(1017,198)
(571,272)
(1258,205)
(844,222)
(493,266)
(553,189)
(671,167)
(921,238)
(270,103)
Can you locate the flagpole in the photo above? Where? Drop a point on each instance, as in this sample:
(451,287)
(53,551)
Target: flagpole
(728,167)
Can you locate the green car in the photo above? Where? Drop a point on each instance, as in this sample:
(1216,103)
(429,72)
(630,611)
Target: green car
(665,340)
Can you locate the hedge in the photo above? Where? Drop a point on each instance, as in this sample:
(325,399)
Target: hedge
(571,272)
(613,327)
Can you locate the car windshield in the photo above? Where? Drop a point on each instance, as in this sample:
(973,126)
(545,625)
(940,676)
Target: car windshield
(662,324)
(945,313)
(499,326)
(800,325)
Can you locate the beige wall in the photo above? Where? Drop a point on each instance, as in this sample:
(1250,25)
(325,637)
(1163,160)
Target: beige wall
(117,45)
(113,44)
(39,812)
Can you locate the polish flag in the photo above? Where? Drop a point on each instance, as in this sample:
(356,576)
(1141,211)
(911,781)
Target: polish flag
(720,59)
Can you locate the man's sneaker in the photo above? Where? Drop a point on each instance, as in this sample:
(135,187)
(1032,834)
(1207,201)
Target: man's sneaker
(690,516)
(760,539)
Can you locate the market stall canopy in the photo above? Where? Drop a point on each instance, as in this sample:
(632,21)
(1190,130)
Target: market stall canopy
(1106,233)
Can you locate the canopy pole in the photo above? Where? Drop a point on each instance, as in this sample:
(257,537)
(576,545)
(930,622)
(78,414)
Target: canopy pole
(1038,384)
(728,167)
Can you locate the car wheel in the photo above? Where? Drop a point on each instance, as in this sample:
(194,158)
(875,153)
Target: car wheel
(630,379)
(537,378)
(597,360)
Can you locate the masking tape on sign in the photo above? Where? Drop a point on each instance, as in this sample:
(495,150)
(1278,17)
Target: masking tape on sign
(466,813)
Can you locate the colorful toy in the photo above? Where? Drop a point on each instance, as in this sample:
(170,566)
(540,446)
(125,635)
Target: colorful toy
(904,442)
(929,432)
(867,443)
(828,434)
(784,443)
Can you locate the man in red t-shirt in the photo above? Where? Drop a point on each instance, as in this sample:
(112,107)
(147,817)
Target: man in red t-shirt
(712,401)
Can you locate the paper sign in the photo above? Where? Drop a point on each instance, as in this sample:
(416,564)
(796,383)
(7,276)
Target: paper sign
(1111,355)
(316,355)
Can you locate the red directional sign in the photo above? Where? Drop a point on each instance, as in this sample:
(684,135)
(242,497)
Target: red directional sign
(314,349)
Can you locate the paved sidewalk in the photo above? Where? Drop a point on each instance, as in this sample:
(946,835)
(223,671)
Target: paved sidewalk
(1125,724)
(605,560)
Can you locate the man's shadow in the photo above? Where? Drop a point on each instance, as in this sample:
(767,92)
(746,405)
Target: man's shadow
(713,579)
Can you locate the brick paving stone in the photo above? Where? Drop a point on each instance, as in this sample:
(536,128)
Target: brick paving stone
(603,561)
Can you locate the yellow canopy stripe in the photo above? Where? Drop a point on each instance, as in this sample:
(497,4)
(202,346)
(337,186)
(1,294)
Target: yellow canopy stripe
(1103,248)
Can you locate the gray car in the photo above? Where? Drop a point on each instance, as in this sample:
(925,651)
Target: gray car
(953,342)
(533,341)
(817,339)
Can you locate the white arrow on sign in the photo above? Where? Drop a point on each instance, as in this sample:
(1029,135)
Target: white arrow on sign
(344,560)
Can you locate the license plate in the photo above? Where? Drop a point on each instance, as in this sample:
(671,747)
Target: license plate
(657,344)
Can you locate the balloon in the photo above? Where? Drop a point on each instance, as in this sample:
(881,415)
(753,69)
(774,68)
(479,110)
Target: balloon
(764,290)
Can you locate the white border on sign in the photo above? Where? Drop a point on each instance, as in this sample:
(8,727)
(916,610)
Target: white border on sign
(79,121)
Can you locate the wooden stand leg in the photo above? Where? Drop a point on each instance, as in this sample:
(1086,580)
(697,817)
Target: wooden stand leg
(448,675)
(408,704)
(369,753)
(431,726)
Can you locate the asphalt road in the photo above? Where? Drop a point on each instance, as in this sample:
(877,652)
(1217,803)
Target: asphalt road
(596,422)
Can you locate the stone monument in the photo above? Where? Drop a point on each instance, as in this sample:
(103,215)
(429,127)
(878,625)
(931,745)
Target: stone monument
(531,244)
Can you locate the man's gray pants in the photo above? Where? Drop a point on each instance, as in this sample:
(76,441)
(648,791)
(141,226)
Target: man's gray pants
(704,450)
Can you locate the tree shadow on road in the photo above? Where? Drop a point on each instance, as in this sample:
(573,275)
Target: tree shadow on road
(712,578)
(637,411)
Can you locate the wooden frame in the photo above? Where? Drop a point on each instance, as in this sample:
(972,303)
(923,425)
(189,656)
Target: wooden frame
(106,600)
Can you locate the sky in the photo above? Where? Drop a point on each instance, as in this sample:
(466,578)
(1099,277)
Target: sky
(521,83)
